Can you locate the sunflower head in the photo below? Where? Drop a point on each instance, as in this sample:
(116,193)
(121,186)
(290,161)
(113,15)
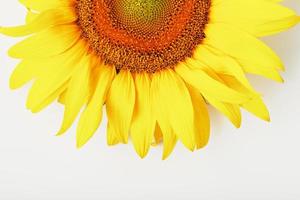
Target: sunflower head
(154,64)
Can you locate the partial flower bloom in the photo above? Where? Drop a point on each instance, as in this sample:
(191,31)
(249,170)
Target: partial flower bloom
(154,64)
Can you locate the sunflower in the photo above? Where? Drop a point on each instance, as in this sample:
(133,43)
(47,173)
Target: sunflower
(154,64)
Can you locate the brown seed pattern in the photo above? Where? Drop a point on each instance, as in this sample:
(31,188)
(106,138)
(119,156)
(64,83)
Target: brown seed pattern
(146,37)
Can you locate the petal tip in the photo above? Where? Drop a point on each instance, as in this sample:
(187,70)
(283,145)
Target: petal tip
(79,144)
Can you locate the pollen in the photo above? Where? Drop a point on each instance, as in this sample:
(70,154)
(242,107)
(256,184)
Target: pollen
(143,35)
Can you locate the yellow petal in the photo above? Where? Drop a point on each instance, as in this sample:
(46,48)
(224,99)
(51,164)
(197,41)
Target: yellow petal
(120,104)
(253,55)
(209,86)
(42,21)
(163,127)
(91,117)
(158,136)
(111,136)
(255,106)
(62,97)
(222,64)
(169,141)
(24,72)
(39,5)
(76,94)
(143,122)
(50,42)
(49,98)
(201,118)
(30,16)
(231,111)
(269,17)
(56,72)
(173,105)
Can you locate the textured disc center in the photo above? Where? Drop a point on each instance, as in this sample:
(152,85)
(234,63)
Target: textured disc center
(143,35)
(143,16)
(140,11)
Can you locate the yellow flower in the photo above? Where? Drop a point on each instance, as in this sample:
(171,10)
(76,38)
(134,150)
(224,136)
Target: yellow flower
(154,64)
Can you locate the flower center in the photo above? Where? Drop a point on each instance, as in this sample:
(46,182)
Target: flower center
(143,17)
(143,35)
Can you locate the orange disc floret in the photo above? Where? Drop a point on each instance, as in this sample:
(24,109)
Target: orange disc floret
(143,35)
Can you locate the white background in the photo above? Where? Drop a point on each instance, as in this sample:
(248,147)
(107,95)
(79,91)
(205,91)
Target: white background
(258,161)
